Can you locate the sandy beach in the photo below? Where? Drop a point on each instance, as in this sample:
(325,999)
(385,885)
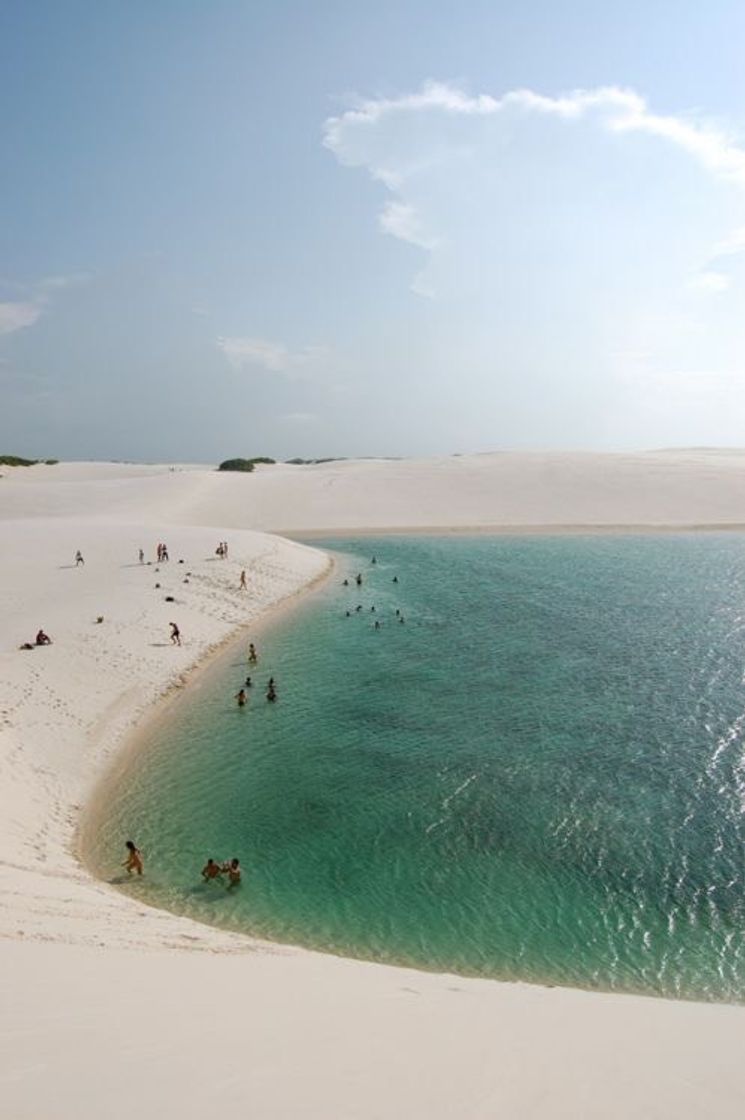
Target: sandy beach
(110,1008)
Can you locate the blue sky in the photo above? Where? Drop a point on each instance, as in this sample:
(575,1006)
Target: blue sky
(339,228)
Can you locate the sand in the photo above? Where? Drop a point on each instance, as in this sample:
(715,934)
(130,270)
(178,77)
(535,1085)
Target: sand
(109,1008)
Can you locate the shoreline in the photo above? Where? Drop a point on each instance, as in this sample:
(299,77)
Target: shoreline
(136,741)
(530,530)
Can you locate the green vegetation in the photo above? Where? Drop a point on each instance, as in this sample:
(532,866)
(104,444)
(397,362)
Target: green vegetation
(306,462)
(17,461)
(243,464)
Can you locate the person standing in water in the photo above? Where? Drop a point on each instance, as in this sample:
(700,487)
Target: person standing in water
(233,870)
(211,870)
(241,698)
(133,862)
(253,656)
(271,691)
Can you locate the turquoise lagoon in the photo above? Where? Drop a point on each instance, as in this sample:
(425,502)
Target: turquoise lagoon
(539,775)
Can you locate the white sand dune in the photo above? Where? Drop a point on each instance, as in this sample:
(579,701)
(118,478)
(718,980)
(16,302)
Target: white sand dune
(111,1009)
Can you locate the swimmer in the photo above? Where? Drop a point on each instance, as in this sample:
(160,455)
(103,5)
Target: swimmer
(401,619)
(271,692)
(372,608)
(233,870)
(247,683)
(133,862)
(345,583)
(374,560)
(358,607)
(241,698)
(395,579)
(358,579)
(377,624)
(211,870)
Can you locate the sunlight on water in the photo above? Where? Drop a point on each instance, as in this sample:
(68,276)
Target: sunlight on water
(539,774)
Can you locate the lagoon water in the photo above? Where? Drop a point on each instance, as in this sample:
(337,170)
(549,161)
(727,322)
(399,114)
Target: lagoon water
(539,775)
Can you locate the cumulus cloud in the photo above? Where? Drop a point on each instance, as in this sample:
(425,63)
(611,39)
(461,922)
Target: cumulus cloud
(401,139)
(15,316)
(557,232)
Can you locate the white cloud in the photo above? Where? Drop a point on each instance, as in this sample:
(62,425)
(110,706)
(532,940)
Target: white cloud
(272,356)
(16,316)
(354,138)
(299,417)
(401,220)
(621,110)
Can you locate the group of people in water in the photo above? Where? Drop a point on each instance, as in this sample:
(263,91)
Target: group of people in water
(212,870)
(271,685)
(359,608)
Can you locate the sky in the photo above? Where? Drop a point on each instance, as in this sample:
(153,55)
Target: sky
(332,228)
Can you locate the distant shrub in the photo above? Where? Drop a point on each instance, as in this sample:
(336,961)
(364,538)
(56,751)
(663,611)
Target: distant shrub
(51,462)
(312,462)
(236,465)
(16,461)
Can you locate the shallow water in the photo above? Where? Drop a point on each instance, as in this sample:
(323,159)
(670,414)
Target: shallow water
(539,775)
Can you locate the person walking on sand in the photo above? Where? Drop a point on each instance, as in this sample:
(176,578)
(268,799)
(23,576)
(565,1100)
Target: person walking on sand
(242,586)
(175,634)
(241,698)
(133,862)
(211,870)
(142,556)
(79,559)
(233,870)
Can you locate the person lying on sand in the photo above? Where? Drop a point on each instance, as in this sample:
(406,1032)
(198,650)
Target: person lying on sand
(133,862)
(211,870)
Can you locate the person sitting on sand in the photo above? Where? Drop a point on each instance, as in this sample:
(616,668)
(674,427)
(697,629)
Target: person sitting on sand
(253,656)
(233,871)
(133,862)
(43,639)
(211,870)
(241,698)
(175,634)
